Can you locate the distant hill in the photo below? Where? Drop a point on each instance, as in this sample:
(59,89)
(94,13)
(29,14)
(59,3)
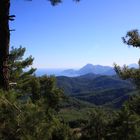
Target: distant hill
(89,68)
(90,82)
(96,69)
(96,89)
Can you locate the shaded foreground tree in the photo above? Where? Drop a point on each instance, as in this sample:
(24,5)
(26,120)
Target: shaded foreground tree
(97,126)
(5,40)
(123,124)
(32,118)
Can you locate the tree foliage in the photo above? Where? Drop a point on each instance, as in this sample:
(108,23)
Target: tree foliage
(55,2)
(28,120)
(129,117)
(132,38)
(20,71)
(33,114)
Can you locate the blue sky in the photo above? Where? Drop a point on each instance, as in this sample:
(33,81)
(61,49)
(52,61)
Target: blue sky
(71,34)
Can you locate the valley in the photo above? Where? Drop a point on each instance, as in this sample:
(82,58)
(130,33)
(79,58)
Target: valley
(97,89)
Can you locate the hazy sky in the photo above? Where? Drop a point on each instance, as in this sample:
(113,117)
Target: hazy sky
(74,34)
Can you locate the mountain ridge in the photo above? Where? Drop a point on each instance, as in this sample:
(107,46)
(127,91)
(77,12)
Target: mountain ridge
(88,68)
(96,89)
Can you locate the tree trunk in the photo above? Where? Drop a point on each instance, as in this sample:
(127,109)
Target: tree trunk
(4,43)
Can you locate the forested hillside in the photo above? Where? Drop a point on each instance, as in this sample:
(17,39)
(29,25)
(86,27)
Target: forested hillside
(97,89)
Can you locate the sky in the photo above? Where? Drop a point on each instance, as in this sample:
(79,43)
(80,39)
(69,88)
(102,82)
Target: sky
(70,35)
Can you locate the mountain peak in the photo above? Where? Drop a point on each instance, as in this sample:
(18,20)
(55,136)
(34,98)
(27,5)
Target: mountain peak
(96,69)
(88,65)
(88,68)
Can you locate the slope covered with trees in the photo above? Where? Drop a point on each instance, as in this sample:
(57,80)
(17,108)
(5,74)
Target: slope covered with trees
(97,89)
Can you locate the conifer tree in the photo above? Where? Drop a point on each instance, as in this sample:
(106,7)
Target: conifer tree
(129,117)
(132,38)
(20,71)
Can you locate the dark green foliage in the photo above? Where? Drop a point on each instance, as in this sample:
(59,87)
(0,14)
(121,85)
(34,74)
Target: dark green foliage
(104,97)
(49,91)
(30,120)
(71,102)
(132,74)
(85,84)
(100,90)
(127,124)
(132,38)
(134,104)
(97,126)
(35,89)
(9,114)
(19,74)
(29,110)
(63,133)
(105,125)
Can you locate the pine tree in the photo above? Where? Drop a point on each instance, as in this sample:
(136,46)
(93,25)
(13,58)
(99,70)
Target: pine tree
(20,71)
(97,127)
(132,38)
(129,117)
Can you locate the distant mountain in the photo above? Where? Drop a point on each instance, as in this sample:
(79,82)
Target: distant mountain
(96,89)
(89,68)
(96,69)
